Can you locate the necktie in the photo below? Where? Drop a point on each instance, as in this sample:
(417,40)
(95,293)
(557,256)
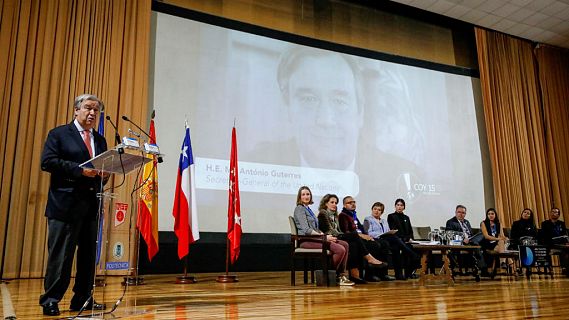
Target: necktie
(464,228)
(87,140)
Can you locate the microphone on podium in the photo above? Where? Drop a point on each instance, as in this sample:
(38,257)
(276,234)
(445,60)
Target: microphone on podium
(117,136)
(125,118)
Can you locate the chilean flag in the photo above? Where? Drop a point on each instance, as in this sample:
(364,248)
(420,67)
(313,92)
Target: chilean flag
(185,207)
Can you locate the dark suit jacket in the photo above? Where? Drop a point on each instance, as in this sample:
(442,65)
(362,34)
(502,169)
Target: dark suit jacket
(71,196)
(453,224)
(522,228)
(549,230)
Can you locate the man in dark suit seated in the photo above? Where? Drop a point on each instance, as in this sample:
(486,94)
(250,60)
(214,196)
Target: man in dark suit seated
(460,224)
(72,207)
(553,231)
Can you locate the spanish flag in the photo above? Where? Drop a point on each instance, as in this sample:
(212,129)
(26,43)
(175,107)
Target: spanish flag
(147,222)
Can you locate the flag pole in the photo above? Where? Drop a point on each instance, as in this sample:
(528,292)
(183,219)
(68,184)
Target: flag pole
(227,278)
(185,279)
(184,207)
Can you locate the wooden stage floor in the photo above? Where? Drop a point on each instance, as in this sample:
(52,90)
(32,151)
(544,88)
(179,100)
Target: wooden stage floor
(270,296)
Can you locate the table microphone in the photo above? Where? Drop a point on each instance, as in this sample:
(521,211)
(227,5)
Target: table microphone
(125,118)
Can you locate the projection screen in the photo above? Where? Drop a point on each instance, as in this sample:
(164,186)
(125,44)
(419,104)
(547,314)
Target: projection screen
(339,123)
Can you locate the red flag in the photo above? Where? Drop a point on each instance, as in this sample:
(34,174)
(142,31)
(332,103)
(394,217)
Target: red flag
(185,210)
(233,207)
(147,221)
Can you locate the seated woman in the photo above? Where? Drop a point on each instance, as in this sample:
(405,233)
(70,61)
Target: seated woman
(524,227)
(328,223)
(401,222)
(492,232)
(378,228)
(307,224)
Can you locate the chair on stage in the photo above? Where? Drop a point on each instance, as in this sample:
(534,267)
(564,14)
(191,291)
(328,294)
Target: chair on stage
(513,269)
(308,256)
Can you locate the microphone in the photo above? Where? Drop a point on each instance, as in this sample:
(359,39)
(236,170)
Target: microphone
(125,118)
(117,136)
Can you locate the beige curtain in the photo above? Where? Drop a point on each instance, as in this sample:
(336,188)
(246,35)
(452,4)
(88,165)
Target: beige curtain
(526,106)
(554,83)
(50,52)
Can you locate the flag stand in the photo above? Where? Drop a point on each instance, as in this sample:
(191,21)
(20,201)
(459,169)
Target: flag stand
(185,279)
(227,278)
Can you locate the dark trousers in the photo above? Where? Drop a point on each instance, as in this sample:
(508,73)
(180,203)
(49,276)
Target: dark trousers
(488,258)
(63,239)
(403,255)
(380,250)
(357,250)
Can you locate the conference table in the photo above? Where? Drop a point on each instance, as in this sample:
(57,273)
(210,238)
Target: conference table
(428,249)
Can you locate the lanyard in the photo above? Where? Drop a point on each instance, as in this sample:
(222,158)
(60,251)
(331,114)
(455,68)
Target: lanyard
(312,214)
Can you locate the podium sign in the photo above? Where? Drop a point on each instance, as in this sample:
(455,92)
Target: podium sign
(534,256)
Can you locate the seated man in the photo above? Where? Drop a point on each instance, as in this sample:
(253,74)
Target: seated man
(460,224)
(553,231)
(349,222)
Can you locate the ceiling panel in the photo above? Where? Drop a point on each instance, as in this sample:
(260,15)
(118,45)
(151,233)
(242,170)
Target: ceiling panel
(545,21)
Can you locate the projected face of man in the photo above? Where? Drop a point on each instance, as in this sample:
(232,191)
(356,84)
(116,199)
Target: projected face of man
(324,109)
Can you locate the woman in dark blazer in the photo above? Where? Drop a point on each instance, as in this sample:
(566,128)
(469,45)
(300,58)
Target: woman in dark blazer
(307,224)
(401,222)
(524,227)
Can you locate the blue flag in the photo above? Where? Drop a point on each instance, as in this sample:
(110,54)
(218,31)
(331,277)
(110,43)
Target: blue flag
(101,128)
(101,131)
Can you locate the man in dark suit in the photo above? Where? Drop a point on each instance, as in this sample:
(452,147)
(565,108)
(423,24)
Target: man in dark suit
(460,224)
(72,206)
(553,230)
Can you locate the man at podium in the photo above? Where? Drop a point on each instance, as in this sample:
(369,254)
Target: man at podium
(72,206)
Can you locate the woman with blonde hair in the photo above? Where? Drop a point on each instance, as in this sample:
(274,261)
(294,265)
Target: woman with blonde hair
(307,224)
